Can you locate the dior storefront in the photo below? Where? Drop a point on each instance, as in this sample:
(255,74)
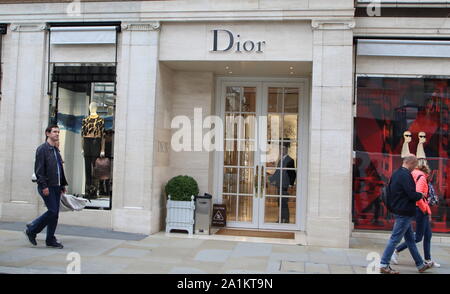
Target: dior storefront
(260,107)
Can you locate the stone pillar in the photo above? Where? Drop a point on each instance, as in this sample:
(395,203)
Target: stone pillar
(135,115)
(23,118)
(331,128)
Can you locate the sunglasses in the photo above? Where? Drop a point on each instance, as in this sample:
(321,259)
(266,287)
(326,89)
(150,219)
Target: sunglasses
(408,135)
(422,136)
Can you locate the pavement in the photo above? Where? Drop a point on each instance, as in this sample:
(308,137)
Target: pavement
(107,252)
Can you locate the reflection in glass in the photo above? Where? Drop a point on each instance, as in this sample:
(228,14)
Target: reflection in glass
(246,178)
(291,100)
(247,153)
(275,100)
(230,202)
(245,210)
(272,181)
(386,108)
(230,180)
(292,151)
(232,123)
(273,126)
(272,210)
(233,98)
(290,126)
(231,152)
(273,153)
(248,127)
(249,100)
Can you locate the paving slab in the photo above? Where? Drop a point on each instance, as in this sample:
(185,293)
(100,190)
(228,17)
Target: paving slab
(164,253)
(316,268)
(213,255)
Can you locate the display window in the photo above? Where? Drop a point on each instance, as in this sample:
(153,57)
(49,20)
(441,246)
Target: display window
(397,115)
(82,104)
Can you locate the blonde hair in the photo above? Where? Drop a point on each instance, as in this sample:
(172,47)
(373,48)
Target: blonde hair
(422,165)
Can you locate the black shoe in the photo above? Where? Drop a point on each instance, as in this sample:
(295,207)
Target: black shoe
(55,245)
(30,237)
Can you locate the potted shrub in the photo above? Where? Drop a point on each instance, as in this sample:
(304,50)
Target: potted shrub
(181,191)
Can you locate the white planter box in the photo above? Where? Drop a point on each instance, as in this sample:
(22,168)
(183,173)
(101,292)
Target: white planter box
(180,215)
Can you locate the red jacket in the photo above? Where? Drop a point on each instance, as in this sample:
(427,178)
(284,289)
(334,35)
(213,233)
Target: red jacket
(422,187)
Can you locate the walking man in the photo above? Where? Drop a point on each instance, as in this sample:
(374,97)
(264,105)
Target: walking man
(402,198)
(51,181)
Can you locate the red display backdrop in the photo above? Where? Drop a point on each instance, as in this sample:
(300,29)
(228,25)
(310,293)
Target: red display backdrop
(386,108)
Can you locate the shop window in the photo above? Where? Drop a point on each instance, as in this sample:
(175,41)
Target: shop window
(386,108)
(83,104)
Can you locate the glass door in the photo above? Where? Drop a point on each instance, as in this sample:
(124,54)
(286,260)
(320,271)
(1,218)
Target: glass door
(259,169)
(240,177)
(278,197)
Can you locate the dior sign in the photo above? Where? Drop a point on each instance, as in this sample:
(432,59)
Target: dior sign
(229,41)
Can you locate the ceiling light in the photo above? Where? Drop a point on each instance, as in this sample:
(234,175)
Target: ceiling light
(227,67)
(230,72)
(291,68)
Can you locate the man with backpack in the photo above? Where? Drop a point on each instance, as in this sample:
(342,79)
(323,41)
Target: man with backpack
(401,201)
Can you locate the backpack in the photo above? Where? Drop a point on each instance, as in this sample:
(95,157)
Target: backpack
(385,195)
(432,198)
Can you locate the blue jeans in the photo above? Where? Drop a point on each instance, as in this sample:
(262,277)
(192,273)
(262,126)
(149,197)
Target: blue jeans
(402,228)
(423,231)
(50,218)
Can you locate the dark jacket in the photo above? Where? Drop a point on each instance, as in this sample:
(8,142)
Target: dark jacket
(287,176)
(46,167)
(402,194)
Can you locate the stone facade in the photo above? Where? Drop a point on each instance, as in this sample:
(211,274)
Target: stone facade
(155,37)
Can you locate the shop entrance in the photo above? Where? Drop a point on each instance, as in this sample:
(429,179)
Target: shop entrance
(262,170)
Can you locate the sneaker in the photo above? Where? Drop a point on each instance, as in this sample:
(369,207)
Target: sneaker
(435,264)
(426,266)
(30,237)
(388,270)
(394,258)
(55,245)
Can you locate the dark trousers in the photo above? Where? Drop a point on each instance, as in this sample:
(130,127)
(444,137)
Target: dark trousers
(423,231)
(50,218)
(91,149)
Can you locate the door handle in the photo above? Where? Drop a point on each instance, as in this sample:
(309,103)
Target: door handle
(263,180)
(256,180)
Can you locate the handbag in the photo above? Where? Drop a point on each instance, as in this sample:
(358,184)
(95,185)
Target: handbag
(102,168)
(71,203)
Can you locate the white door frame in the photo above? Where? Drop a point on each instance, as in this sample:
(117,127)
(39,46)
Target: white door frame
(262,85)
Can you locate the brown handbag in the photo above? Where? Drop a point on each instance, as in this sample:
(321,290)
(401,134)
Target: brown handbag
(102,168)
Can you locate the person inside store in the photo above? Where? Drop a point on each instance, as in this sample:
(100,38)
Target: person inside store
(284,177)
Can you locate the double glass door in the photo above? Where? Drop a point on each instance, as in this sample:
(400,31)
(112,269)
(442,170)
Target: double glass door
(261,179)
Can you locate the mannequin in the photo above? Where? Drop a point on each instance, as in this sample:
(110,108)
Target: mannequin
(93,145)
(420,149)
(405,149)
